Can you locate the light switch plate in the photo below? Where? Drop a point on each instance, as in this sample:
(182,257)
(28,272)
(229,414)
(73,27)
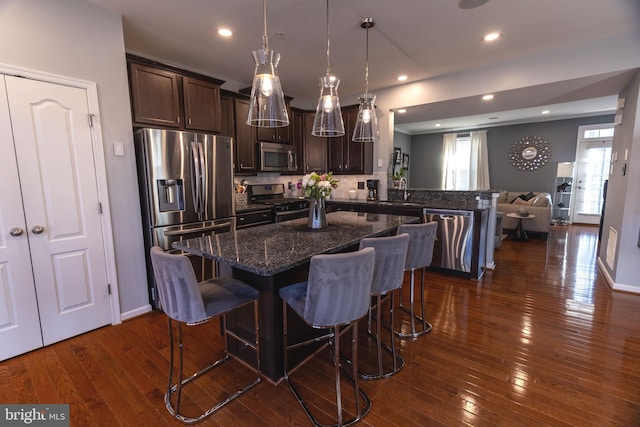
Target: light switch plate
(118,149)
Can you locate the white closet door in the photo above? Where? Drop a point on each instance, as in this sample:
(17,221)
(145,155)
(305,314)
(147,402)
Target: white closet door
(55,160)
(19,321)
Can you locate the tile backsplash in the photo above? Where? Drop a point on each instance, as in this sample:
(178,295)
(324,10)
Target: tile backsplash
(347,182)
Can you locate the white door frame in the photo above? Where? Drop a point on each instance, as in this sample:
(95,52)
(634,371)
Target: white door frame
(580,147)
(100,168)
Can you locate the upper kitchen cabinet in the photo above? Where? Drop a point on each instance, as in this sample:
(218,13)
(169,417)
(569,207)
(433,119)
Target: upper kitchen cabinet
(155,96)
(313,147)
(201,105)
(296,120)
(245,139)
(167,97)
(227,115)
(346,156)
(281,135)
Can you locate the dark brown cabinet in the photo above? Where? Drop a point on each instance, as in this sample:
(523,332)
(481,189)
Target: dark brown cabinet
(346,156)
(245,139)
(155,96)
(201,105)
(166,97)
(281,135)
(227,116)
(297,137)
(314,147)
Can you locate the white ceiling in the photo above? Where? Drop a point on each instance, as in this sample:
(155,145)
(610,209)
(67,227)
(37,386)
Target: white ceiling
(423,39)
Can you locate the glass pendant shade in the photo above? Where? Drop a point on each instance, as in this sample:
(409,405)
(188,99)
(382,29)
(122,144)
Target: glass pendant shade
(328,119)
(366,129)
(266,106)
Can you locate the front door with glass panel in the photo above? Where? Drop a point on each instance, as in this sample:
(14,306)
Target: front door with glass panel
(593,161)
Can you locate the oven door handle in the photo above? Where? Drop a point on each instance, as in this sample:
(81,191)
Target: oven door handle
(198,230)
(292,212)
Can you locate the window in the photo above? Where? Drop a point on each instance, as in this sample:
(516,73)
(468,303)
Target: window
(462,163)
(465,161)
(598,133)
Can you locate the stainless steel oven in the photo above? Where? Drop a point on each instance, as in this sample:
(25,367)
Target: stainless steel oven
(283,208)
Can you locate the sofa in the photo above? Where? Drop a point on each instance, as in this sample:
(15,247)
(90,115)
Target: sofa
(535,203)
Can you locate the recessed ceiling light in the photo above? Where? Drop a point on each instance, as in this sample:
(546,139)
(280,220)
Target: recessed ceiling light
(546,112)
(401,110)
(471,4)
(488,97)
(493,118)
(225,32)
(402,77)
(491,37)
(438,125)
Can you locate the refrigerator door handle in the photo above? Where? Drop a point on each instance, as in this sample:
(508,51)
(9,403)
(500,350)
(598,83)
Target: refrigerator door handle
(203,180)
(199,230)
(195,177)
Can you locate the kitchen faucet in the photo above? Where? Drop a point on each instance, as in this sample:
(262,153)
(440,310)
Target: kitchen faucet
(403,186)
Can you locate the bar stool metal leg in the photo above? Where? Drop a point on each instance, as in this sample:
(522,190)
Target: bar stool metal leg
(426,326)
(334,341)
(397,360)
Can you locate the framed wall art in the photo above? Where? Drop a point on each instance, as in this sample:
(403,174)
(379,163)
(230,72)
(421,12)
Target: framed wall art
(397,155)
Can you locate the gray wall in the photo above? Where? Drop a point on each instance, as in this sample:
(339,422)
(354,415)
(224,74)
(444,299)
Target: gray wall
(622,210)
(561,134)
(426,161)
(78,40)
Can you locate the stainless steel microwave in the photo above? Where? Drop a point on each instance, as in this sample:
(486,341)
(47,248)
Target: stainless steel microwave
(277,157)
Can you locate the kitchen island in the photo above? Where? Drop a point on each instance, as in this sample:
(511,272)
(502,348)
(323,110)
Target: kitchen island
(272,256)
(467,223)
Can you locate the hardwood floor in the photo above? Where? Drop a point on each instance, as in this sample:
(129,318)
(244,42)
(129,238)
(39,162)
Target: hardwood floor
(539,341)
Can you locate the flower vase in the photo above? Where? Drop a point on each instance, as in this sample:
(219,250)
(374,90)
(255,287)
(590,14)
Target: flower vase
(317,214)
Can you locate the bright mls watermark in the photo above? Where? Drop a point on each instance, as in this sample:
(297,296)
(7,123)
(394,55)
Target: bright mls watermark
(36,415)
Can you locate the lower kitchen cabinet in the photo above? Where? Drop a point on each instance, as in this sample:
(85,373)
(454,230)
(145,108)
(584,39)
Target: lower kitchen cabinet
(254,218)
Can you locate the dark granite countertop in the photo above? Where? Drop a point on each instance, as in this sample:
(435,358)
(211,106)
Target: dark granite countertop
(465,205)
(274,248)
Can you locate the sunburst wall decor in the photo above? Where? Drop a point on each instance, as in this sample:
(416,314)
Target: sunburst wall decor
(529,153)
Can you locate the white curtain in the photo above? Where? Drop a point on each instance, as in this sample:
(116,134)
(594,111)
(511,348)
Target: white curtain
(448,161)
(479,164)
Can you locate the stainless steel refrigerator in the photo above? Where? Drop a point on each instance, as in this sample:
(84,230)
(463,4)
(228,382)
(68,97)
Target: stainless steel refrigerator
(186,190)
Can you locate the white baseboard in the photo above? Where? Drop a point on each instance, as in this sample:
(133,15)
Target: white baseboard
(136,312)
(616,286)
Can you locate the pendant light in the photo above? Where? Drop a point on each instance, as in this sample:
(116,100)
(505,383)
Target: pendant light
(328,119)
(366,129)
(266,106)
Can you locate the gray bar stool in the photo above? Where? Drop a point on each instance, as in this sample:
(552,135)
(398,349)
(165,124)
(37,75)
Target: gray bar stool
(422,240)
(188,302)
(388,275)
(337,293)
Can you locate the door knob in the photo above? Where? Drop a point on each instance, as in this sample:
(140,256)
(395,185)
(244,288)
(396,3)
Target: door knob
(37,229)
(16,231)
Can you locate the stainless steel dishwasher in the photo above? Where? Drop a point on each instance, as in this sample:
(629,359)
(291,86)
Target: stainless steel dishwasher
(454,238)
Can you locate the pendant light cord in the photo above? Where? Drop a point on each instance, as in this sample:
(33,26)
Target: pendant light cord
(366,68)
(265,40)
(328,44)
